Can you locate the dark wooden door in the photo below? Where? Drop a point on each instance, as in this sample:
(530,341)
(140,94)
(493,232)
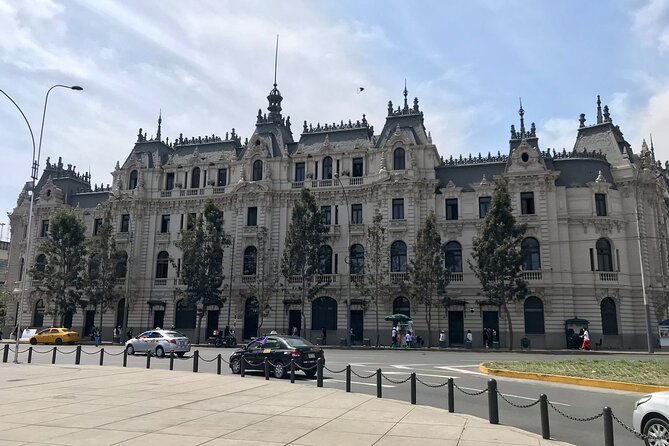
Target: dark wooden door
(212,322)
(357,325)
(456,327)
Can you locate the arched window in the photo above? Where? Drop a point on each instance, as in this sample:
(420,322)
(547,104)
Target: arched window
(534,316)
(122,265)
(325,260)
(531,254)
(357,259)
(185,313)
(40,263)
(398,257)
(120,306)
(162,264)
(257,170)
(453,256)
(327,168)
(132,182)
(324,313)
(250,261)
(399,159)
(609,316)
(604,259)
(195,178)
(38,314)
(401,305)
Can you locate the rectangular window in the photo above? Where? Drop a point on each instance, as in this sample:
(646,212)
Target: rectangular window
(44,231)
(398,208)
(326,213)
(222,179)
(357,170)
(165,223)
(600,205)
(592,260)
(315,170)
(451,209)
(169,181)
(97,224)
(618,260)
(527,203)
(190,222)
(181,224)
(484,206)
(125,223)
(252,216)
(356,214)
(299,171)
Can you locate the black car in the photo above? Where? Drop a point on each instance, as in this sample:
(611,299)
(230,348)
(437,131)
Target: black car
(280,350)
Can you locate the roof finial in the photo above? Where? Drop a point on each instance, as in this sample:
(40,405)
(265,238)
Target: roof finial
(599,110)
(406,105)
(160,121)
(652,148)
(521,112)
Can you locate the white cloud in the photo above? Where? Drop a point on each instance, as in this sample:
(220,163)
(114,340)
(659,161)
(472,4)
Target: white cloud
(558,133)
(652,24)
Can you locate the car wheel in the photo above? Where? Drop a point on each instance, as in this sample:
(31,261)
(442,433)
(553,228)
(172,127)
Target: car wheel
(181,354)
(279,370)
(59,341)
(33,341)
(236,366)
(656,428)
(160,352)
(310,373)
(130,349)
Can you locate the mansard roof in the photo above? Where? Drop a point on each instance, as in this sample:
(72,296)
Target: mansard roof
(67,179)
(89,200)
(342,136)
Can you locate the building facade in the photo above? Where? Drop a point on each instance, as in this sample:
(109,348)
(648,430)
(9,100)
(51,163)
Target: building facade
(596,217)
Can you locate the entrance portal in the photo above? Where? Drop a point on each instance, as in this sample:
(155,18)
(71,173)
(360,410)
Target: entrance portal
(456,327)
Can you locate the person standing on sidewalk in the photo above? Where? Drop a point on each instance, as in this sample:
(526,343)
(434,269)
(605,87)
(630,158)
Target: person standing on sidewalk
(97,336)
(442,339)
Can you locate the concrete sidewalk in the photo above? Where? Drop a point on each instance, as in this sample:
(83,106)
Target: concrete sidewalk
(90,405)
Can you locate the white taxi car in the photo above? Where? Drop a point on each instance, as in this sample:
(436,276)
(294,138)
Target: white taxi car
(159,342)
(651,415)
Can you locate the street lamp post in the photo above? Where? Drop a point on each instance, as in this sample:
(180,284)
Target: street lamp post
(232,263)
(646,305)
(347,259)
(34,169)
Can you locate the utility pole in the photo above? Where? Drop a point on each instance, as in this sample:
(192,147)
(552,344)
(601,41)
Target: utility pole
(232,263)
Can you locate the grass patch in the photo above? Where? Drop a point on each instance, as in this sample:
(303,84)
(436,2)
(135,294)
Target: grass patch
(633,371)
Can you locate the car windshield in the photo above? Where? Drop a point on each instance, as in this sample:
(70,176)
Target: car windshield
(298,342)
(174,334)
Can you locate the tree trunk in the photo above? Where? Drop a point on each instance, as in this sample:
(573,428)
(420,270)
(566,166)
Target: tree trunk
(508,324)
(102,315)
(428,321)
(376,306)
(304,316)
(199,328)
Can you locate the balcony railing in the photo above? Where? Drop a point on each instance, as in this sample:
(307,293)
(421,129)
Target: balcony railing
(295,279)
(357,278)
(455,277)
(219,190)
(249,279)
(356,181)
(532,275)
(322,183)
(397,224)
(325,278)
(165,193)
(250,230)
(178,281)
(120,281)
(160,282)
(398,277)
(608,277)
(357,228)
(297,185)
(162,236)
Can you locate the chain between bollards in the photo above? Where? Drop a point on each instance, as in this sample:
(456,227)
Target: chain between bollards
(102,355)
(171,360)
(53,356)
(319,372)
(292,371)
(218,364)
(545,427)
(77,356)
(148,360)
(379,391)
(493,409)
(348,378)
(196,359)
(30,354)
(5,353)
(451,396)
(608,427)
(266,367)
(413,387)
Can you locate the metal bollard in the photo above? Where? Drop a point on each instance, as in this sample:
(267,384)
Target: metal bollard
(319,372)
(413,388)
(266,364)
(125,358)
(77,358)
(30,354)
(348,378)
(493,409)
(608,427)
(451,396)
(242,367)
(379,391)
(102,356)
(53,356)
(218,364)
(292,371)
(5,353)
(148,360)
(172,361)
(196,358)
(545,427)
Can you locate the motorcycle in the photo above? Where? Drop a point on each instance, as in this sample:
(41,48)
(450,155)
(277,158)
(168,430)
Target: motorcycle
(221,340)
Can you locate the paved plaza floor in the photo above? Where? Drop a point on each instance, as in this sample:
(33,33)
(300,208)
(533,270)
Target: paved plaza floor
(92,405)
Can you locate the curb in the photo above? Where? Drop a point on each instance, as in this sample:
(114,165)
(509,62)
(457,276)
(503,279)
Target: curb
(588,382)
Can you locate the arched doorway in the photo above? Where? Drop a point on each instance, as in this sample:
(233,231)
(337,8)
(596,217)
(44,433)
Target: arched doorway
(120,306)
(324,314)
(250,318)
(38,314)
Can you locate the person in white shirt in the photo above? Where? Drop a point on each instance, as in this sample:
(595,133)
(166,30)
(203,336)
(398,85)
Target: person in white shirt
(470,339)
(586,340)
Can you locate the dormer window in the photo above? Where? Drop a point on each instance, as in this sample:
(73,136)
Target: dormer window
(257,170)
(132,182)
(399,159)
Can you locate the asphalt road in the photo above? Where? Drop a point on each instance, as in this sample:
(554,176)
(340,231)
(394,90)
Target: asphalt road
(432,367)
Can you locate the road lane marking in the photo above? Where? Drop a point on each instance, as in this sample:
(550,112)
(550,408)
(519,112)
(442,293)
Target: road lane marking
(387,386)
(419,374)
(456,370)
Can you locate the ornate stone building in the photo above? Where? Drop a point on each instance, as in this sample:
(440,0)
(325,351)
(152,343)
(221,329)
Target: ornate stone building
(581,207)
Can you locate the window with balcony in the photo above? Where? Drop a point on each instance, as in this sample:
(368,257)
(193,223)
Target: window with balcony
(165,223)
(125,223)
(399,159)
(356,214)
(122,265)
(257,170)
(326,215)
(327,168)
(252,216)
(529,247)
(299,171)
(195,178)
(398,208)
(44,229)
(40,263)
(484,206)
(357,259)
(600,205)
(451,209)
(162,265)
(398,257)
(527,203)
(222,178)
(534,316)
(604,257)
(453,257)
(325,260)
(358,168)
(169,181)
(250,261)
(401,305)
(97,224)
(132,181)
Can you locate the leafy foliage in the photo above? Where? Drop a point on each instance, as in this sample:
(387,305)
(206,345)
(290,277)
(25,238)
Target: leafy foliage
(427,273)
(497,256)
(61,281)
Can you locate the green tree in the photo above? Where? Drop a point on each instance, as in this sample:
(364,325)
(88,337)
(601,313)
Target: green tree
(497,256)
(427,274)
(375,282)
(5,299)
(305,236)
(266,283)
(103,272)
(61,281)
(202,261)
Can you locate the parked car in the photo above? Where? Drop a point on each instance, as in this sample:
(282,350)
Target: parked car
(280,350)
(159,342)
(651,417)
(56,336)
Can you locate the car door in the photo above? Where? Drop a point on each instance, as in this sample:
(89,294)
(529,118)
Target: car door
(142,342)
(270,349)
(253,355)
(154,340)
(53,334)
(42,336)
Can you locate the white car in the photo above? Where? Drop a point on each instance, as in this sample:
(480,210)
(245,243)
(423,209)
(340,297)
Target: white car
(651,418)
(159,342)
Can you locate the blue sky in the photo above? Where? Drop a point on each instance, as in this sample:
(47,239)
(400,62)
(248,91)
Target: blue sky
(209,66)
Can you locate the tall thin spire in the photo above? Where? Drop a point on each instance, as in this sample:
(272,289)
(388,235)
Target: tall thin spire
(276,58)
(274,97)
(652,147)
(160,121)
(599,110)
(406,92)
(521,112)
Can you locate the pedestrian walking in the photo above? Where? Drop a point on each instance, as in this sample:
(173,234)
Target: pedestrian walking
(116,335)
(393,337)
(442,339)
(407,339)
(97,337)
(324,336)
(294,333)
(129,334)
(470,339)
(92,333)
(587,345)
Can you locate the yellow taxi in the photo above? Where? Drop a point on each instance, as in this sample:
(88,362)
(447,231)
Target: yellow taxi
(55,336)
